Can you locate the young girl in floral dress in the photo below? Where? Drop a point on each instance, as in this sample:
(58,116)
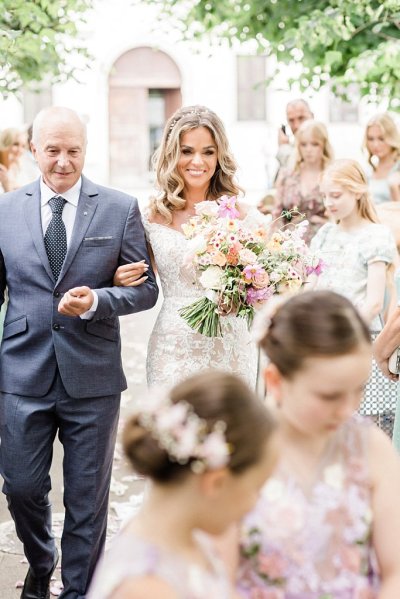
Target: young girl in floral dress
(208,446)
(327,525)
(358,252)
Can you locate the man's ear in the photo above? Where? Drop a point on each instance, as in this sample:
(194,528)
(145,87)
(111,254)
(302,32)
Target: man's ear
(273,382)
(212,482)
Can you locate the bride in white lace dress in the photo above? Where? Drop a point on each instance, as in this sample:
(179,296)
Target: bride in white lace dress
(193,163)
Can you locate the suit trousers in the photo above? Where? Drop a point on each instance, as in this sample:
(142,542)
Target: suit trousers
(87,430)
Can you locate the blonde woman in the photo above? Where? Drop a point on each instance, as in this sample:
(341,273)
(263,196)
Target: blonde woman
(193,164)
(359,253)
(298,188)
(12,147)
(382,143)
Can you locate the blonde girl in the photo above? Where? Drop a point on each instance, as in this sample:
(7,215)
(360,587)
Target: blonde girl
(298,187)
(359,253)
(382,143)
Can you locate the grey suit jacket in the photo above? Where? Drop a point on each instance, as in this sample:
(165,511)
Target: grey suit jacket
(37,339)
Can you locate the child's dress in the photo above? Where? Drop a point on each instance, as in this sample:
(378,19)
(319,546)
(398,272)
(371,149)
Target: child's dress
(131,557)
(347,257)
(313,541)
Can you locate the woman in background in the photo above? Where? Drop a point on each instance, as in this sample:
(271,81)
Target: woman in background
(298,189)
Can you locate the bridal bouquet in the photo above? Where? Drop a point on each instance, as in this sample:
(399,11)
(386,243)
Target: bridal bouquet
(240,264)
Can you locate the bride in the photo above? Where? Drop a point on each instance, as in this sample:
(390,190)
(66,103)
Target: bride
(193,164)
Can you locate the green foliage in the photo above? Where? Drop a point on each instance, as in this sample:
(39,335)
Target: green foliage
(350,42)
(38,38)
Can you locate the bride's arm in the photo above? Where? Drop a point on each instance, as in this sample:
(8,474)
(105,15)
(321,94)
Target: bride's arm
(133,274)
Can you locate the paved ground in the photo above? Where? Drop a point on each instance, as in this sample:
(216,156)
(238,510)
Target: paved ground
(125,490)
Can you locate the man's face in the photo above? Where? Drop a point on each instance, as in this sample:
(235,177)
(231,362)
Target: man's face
(60,153)
(296,115)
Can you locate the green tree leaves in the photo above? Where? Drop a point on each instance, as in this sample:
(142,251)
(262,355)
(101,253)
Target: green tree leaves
(346,41)
(37,39)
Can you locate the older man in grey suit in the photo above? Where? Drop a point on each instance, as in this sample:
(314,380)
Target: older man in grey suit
(61,240)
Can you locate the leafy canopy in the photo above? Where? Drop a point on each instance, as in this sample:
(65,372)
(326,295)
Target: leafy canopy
(346,41)
(38,39)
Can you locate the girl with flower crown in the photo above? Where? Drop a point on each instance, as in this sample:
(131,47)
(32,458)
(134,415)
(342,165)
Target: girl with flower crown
(208,445)
(193,164)
(358,252)
(327,524)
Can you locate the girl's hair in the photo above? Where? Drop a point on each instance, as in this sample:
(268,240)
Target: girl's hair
(165,160)
(349,175)
(390,134)
(7,138)
(312,324)
(319,132)
(214,396)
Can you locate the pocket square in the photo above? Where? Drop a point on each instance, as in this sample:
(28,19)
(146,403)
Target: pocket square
(98,238)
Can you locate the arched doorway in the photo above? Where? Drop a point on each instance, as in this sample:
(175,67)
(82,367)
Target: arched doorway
(144,90)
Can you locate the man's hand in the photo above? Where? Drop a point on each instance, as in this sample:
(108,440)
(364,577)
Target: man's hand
(76,301)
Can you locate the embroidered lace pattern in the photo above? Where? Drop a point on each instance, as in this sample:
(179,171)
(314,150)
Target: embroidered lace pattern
(175,351)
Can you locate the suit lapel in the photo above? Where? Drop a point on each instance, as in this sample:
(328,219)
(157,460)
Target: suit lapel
(33,219)
(84,213)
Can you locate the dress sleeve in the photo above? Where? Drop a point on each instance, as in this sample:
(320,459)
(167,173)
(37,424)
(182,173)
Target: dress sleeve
(378,245)
(317,242)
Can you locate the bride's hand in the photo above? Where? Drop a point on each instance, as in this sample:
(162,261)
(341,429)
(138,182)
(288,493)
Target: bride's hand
(131,275)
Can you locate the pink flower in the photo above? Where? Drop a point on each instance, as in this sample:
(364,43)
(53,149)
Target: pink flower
(257,296)
(261,280)
(227,207)
(316,269)
(259,593)
(251,271)
(271,565)
(218,258)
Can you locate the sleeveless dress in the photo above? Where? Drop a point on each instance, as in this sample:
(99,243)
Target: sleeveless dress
(131,557)
(175,350)
(347,256)
(314,541)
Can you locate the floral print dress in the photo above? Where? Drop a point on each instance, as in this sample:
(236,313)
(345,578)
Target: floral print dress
(313,541)
(289,197)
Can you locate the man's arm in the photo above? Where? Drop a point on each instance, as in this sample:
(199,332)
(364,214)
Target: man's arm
(118,301)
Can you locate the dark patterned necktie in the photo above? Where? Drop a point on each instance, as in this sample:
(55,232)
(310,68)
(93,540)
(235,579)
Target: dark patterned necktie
(55,238)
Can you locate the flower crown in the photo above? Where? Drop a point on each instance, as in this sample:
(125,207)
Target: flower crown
(182,433)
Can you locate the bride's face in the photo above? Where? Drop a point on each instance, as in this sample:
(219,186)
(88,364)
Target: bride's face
(198,159)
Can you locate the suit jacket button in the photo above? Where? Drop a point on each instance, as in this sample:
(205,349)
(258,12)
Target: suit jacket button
(56,327)
(56,294)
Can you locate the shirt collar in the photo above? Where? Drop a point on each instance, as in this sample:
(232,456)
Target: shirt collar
(71,196)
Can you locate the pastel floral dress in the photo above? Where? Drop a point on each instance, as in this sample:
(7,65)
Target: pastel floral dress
(347,257)
(313,541)
(130,557)
(289,196)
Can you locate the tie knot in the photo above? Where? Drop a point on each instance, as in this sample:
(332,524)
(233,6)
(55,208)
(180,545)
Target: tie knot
(57,204)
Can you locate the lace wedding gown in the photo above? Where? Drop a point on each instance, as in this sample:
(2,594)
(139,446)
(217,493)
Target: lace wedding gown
(175,350)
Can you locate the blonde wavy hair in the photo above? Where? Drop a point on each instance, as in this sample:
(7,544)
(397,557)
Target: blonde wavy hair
(319,132)
(165,160)
(349,175)
(7,138)
(390,133)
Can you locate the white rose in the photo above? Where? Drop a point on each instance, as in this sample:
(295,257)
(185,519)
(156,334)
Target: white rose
(212,278)
(197,245)
(206,208)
